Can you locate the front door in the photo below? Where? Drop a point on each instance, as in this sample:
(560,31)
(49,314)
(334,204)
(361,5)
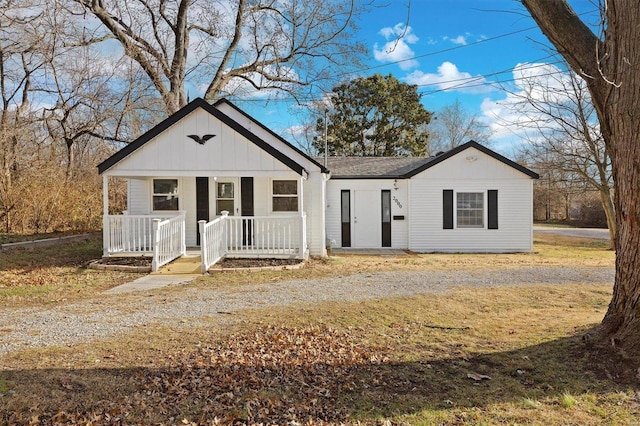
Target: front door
(366,219)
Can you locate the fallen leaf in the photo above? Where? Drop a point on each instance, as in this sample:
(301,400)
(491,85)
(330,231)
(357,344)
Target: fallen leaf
(477,377)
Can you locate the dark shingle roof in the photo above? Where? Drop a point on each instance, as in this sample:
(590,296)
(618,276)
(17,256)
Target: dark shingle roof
(373,167)
(404,167)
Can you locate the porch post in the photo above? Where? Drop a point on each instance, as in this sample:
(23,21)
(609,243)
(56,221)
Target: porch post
(303,222)
(303,235)
(183,232)
(301,196)
(203,245)
(156,245)
(105,215)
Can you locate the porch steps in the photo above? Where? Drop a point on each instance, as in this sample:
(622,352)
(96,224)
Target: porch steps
(185,265)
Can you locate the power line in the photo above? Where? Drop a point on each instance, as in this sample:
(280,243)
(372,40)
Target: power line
(437,52)
(463,83)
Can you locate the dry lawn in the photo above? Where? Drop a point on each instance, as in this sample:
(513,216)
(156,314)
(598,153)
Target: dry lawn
(54,275)
(508,355)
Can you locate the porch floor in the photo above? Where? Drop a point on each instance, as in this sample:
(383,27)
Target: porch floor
(189,264)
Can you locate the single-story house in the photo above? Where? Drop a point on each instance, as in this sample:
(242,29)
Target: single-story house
(211,176)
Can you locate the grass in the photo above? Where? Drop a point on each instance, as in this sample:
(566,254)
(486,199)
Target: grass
(417,360)
(58,275)
(54,275)
(418,354)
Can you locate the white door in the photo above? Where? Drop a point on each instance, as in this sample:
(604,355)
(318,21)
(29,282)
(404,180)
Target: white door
(366,219)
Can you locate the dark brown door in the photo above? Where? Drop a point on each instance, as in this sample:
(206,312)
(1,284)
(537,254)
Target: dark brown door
(202,202)
(246,208)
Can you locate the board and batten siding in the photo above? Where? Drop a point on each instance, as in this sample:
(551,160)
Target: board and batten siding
(314,186)
(471,171)
(399,207)
(173,153)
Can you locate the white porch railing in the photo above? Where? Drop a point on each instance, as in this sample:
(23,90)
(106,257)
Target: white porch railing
(212,241)
(266,236)
(232,236)
(130,234)
(161,236)
(169,240)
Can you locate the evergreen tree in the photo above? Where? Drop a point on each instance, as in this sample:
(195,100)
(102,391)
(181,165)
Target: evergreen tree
(375,116)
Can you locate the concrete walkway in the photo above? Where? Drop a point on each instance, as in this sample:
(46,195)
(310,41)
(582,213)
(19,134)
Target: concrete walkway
(149,282)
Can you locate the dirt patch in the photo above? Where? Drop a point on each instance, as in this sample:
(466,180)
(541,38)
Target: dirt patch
(255,263)
(140,264)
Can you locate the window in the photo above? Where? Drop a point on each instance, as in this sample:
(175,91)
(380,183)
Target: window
(224,198)
(470,210)
(285,196)
(165,194)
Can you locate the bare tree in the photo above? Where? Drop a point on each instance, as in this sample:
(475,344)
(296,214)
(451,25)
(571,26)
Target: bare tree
(20,60)
(452,126)
(564,131)
(227,46)
(608,64)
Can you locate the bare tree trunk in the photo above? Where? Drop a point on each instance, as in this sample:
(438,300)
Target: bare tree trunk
(609,69)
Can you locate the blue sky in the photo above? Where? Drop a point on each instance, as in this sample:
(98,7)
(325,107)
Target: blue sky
(454,50)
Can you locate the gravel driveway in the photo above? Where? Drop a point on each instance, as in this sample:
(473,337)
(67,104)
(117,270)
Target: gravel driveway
(110,315)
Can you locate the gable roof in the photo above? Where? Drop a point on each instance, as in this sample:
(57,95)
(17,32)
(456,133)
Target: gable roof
(179,115)
(473,144)
(406,167)
(323,169)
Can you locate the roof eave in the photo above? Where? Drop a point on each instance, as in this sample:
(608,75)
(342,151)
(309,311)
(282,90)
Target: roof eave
(183,112)
(323,169)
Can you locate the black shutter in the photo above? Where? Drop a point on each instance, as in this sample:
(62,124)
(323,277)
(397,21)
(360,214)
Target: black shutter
(493,208)
(345,217)
(447,209)
(202,202)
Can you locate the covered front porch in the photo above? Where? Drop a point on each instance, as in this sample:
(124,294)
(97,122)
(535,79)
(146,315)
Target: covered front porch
(163,237)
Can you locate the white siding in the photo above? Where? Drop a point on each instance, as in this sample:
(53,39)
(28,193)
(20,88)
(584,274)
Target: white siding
(173,153)
(261,194)
(471,171)
(314,206)
(399,207)
(228,157)
(139,196)
(187,203)
(256,129)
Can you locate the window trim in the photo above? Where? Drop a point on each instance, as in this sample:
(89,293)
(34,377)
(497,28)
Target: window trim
(296,196)
(217,198)
(456,209)
(159,194)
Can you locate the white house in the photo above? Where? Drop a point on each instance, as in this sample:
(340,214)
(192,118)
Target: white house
(211,176)
(469,199)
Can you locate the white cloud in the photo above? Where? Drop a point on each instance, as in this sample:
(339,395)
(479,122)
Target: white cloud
(397,49)
(509,117)
(461,40)
(297,130)
(243,88)
(449,77)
